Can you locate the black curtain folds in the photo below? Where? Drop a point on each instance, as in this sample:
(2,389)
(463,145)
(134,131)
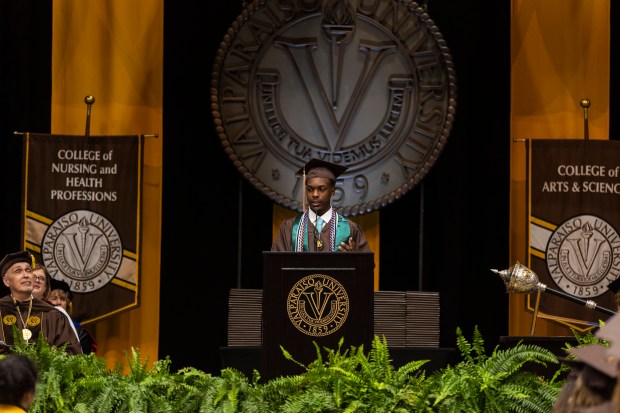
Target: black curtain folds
(455,228)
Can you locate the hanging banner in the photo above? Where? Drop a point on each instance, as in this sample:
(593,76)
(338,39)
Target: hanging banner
(81,217)
(573,220)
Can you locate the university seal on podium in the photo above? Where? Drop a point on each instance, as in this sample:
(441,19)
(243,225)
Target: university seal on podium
(318,305)
(367,84)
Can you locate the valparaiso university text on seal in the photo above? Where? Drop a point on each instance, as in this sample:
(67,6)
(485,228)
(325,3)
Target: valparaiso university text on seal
(83,249)
(367,84)
(317,305)
(580,256)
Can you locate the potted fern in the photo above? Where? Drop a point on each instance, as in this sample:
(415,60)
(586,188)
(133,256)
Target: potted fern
(338,380)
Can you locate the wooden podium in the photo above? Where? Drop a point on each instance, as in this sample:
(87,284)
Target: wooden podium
(314,297)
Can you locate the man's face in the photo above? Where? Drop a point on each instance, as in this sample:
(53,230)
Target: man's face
(318,193)
(40,283)
(19,278)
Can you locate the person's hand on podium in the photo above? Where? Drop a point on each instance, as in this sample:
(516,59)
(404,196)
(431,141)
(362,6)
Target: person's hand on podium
(351,246)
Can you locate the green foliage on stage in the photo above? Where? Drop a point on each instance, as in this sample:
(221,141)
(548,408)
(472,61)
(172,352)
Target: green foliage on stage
(339,380)
(495,383)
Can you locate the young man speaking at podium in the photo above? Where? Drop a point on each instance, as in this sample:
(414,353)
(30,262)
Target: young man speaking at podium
(320,228)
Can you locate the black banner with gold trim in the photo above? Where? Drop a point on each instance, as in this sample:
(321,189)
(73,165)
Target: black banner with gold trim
(573,221)
(81,217)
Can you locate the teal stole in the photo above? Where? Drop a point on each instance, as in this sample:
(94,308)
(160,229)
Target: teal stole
(339,231)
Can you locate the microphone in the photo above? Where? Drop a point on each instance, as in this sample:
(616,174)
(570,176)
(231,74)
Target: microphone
(317,234)
(317,214)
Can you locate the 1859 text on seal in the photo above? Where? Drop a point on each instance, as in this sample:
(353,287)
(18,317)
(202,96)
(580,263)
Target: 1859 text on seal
(369,85)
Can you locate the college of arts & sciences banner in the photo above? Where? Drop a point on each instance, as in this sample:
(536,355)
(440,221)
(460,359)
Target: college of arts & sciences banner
(81,217)
(573,221)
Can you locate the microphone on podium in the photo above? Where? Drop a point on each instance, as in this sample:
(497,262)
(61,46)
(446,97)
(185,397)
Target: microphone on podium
(317,230)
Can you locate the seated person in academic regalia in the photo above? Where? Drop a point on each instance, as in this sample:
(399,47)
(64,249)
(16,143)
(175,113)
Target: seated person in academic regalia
(43,287)
(61,296)
(31,316)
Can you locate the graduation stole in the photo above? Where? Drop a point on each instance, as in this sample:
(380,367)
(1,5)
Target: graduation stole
(339,231)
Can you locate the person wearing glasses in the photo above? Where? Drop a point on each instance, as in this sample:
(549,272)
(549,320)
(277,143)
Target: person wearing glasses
(43,288)
(29,317)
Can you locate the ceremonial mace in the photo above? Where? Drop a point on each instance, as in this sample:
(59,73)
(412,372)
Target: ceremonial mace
(89,100)
(521,280)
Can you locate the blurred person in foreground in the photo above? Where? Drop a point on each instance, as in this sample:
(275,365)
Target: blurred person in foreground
(18,382)
(592,384)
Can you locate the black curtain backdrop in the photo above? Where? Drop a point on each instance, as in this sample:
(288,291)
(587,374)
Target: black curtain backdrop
(213,219)
(25,100)
(464,199)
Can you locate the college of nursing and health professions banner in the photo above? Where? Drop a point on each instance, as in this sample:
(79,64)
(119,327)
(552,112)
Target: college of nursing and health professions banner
(81,212)
(574,223)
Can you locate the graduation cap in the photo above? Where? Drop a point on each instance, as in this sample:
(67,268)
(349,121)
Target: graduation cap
(591,385)
(14,258)
(610,331)
(597,357)
(62,285)
(614,286)
(317,168)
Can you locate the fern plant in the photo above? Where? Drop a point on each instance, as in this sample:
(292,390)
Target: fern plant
(587,338)
(352,381)
(495,383)
(337,380)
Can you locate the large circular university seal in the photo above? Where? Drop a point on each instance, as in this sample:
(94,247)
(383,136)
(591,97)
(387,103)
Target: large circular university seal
(581,256)
(317,305)
(370,87)
(83,249)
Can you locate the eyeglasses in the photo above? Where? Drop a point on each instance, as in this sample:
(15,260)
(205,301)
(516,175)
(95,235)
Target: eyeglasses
(39,279)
